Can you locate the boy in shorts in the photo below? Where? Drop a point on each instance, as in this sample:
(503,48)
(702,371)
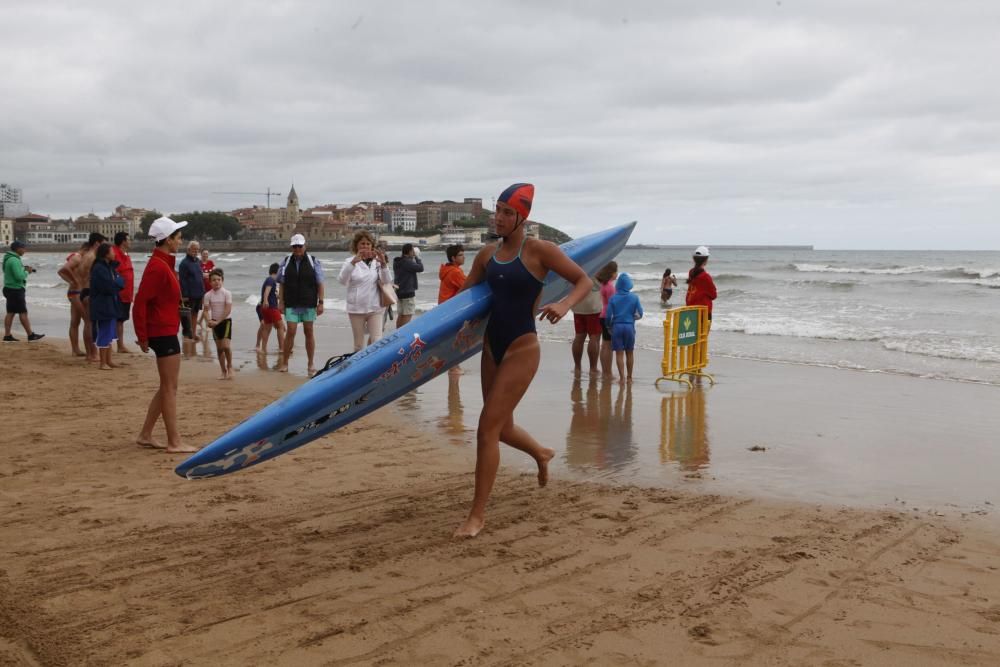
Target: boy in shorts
(219,306)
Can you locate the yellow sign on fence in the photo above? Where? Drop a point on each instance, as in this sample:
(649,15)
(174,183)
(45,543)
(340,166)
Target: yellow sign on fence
(685,344)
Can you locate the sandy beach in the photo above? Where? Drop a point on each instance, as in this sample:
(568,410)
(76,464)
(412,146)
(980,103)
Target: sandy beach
(341,552)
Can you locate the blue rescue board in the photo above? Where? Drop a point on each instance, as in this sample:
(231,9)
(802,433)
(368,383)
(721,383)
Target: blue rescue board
(382,372)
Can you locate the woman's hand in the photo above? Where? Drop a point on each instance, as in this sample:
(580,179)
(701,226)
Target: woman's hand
(553,312)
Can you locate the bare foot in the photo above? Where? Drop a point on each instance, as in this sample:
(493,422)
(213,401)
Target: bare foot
(78,353)
(229,375)
(94,360)
(181,449)
(124,350)
(283,368)
(105,368)
(543,466)
(311,371)
(152,443)
(470,528)
(222,377)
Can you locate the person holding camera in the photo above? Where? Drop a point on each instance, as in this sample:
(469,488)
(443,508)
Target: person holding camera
(15,281)
(405,269)
(362,275)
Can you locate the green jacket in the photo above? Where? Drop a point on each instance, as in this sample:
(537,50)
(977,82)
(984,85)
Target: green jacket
(14,274)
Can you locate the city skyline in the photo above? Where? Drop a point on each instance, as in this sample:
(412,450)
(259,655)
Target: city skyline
(835,124)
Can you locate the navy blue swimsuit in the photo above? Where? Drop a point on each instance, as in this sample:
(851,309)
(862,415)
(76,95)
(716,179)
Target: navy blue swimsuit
(515,291)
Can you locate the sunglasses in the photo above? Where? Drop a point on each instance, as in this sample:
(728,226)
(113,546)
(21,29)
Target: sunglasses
(298,246)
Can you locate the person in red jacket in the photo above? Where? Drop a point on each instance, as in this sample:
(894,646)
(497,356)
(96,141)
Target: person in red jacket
(701,287)
(122,243)
(156,318)
(451,275)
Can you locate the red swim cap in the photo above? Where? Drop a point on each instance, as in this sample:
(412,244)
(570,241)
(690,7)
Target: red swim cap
(518,197)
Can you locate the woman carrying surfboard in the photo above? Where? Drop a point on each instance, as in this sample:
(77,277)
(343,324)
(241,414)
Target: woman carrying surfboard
(515,268)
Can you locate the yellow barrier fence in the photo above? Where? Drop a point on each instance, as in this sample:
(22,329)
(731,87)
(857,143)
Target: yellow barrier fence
(685,345)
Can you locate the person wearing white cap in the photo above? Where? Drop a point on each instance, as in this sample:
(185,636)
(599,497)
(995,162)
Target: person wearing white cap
(156,318)
(300,297)
(701,287)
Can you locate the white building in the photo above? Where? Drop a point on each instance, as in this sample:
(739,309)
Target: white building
(402,220)
(56,232)
(11,205)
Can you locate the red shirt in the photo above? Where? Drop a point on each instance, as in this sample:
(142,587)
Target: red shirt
(452,278)
(701,291)
(206,268)
(125,271)
(155,310)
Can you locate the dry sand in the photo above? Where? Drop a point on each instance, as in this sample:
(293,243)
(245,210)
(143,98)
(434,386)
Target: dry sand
(341,553)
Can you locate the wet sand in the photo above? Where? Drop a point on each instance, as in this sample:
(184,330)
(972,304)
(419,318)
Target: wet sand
(341,552)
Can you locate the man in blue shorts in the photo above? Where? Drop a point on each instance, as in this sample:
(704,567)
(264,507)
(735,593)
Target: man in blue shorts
(300,298)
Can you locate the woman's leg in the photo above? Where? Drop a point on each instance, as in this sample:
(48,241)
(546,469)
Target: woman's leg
(358,329)
(375,321)
(170,370)
(503,387)
(152,414)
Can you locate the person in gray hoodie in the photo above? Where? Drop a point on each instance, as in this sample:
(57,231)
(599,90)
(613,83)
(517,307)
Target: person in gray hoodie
(404,270)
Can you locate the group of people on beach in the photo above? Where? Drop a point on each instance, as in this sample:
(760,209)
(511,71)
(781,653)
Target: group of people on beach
(604,320)
(100,280)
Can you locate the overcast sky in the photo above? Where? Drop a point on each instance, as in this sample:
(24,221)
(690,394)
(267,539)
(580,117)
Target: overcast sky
(844,124)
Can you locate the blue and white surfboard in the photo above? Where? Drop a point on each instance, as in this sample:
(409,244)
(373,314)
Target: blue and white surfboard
(388,368)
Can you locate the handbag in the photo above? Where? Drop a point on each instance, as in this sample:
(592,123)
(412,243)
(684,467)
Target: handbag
(386,295)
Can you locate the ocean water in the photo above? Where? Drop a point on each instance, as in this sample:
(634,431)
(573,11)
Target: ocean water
(924,313)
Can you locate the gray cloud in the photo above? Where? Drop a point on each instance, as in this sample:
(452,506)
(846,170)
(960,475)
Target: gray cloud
(845,124)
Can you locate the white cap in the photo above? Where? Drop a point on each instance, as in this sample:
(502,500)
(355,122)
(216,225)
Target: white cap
(701,251)
(297,239)
(164,227)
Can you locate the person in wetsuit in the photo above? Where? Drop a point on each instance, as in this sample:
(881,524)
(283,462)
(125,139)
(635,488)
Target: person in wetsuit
(514,268)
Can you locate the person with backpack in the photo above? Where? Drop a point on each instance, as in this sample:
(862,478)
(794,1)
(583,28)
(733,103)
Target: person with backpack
(300,298)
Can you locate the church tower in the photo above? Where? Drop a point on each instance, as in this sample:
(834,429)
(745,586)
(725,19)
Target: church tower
(293,215)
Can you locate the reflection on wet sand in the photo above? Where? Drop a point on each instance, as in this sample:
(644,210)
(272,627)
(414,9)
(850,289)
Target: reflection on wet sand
(452,423)
(600,433)
(684,429)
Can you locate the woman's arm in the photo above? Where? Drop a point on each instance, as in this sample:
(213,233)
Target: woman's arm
(346,269)
(554,259)
(477,273)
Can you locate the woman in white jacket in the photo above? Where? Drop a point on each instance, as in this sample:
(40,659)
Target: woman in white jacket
(360,274)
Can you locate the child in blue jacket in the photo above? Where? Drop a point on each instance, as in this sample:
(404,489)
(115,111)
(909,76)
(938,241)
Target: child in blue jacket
(623,310)
(105,304)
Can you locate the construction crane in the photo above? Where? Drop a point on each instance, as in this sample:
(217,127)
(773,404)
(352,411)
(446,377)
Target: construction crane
(268,194)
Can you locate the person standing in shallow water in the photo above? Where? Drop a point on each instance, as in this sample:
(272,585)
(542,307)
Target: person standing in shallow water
(514,268)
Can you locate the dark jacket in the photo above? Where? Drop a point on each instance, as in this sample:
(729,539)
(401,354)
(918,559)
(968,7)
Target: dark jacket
(301,288)
(192,282)
(404,273)
(105,284)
